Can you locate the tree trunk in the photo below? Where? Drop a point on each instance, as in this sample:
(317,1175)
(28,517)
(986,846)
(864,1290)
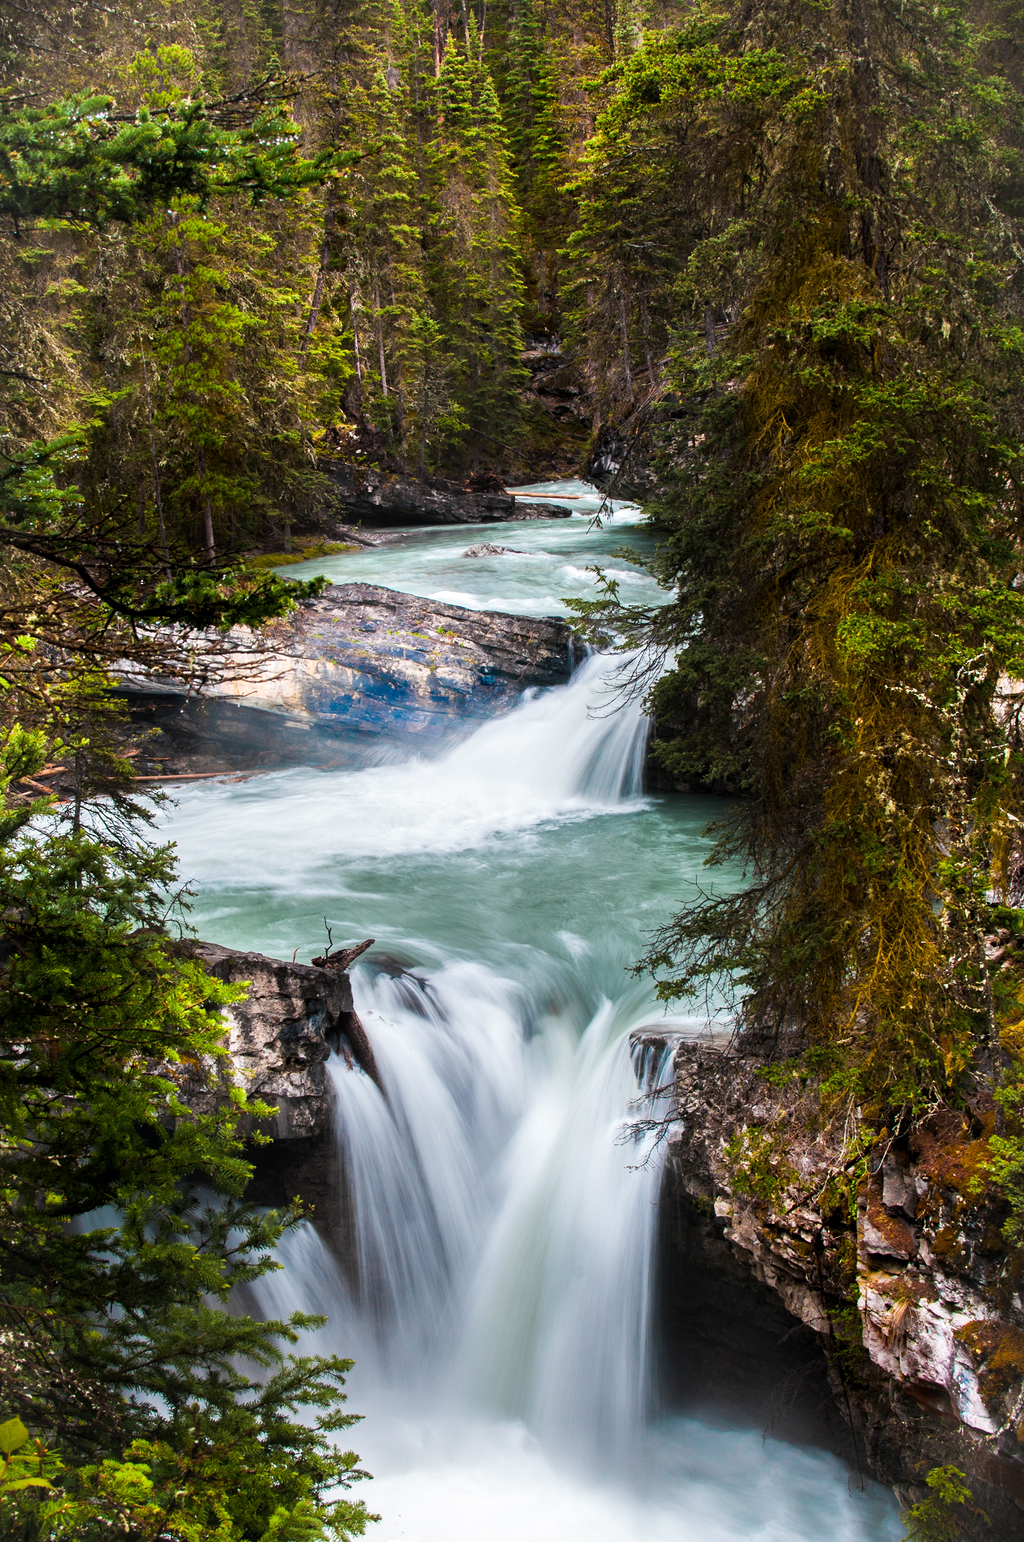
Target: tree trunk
(211,550)
(321,276)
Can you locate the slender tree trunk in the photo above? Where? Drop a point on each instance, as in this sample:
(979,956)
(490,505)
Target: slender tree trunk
(161,528)
(211,550)
(321,276)
(627,365)
(355,339)
(645,322)
(380,337)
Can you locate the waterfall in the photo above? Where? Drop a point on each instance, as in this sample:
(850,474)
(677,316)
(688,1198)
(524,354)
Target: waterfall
(503,1227)
(497,1295)
(565,753)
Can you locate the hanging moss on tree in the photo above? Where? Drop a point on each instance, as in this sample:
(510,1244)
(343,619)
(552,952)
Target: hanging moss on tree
(839,281)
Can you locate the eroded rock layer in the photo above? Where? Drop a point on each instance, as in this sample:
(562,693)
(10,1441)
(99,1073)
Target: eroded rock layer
(377,497)
(914,1301)
(279,1039)
(377,660)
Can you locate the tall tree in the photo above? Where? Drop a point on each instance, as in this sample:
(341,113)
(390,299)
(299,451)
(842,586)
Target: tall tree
(474,275)
(840,238)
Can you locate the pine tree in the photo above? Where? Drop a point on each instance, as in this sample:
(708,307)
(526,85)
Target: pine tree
(844,511)
(529,96)
(474,275)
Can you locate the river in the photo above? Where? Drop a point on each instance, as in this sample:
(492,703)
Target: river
(500,1316)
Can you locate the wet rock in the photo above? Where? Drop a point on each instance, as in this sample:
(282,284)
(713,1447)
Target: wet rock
(378,661)
(619,461)
(913,1298)
(485,549)
(374,497)
(279,1039)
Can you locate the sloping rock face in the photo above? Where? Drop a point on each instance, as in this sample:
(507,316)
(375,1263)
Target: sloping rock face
(378,498)
(378,661)
(279,1040)
(915,1304)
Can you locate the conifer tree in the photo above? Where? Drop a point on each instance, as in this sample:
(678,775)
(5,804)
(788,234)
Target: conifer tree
(844,507)
(383,254)
(474,274)
(530,108)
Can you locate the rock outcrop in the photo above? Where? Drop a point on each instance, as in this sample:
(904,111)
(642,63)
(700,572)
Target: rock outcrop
(488,549)
(915,1303)
(279,1040)
(376,660)
(373,497)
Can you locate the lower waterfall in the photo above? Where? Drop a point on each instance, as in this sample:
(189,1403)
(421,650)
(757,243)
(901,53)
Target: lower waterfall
(498,1295)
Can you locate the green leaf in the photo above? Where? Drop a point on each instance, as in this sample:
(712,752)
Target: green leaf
(12,1435)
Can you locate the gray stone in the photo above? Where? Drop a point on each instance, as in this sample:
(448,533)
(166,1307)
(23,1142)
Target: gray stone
(279,1039)
(376,497)
(379,661)
(485,549)
(931,1298)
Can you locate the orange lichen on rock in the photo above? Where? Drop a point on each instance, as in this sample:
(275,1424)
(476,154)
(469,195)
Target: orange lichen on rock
(998,1349)
(947,1156)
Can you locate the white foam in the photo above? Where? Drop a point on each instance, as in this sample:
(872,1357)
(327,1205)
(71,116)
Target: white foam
(564,754)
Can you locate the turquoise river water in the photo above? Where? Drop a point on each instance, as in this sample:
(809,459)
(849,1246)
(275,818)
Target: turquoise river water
(500,1307)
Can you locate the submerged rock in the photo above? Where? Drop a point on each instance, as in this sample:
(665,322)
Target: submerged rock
(379,661)
(485,549)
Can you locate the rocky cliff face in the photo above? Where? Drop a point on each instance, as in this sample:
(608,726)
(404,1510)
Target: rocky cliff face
(377,660)
(279,1040)
(915,1304)
(376,498)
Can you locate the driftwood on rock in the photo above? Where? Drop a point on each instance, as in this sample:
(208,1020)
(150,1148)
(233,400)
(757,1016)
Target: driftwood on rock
(346,957)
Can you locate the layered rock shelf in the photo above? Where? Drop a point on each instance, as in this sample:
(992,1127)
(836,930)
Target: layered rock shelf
(279,1039)
(376,660)
(373,497)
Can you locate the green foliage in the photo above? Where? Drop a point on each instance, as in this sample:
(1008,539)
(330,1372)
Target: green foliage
(1005,1164)
(21,754)
(830,263)
(758,1164)
(941,1517)
(123,1231)
(26,1464)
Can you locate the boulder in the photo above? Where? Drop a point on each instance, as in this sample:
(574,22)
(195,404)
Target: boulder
(279,1039)
(485,549)
(907,1297)
(375,660)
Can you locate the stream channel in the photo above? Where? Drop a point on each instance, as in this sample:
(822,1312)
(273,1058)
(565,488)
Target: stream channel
(499,1306)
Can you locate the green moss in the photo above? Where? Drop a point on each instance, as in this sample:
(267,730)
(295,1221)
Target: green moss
(308,550)
(759,1165)
(998,1349)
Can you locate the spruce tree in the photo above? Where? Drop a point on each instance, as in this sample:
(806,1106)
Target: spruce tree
(843,474)
(474,274)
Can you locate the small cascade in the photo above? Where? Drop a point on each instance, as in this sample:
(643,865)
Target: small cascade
(563,753)
(420,1164)
(562,1311)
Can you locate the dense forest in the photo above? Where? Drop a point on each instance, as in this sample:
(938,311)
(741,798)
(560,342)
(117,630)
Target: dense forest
(774,254)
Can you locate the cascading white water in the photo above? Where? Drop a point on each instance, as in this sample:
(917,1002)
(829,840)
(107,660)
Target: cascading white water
(498,1304)
(563,753)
